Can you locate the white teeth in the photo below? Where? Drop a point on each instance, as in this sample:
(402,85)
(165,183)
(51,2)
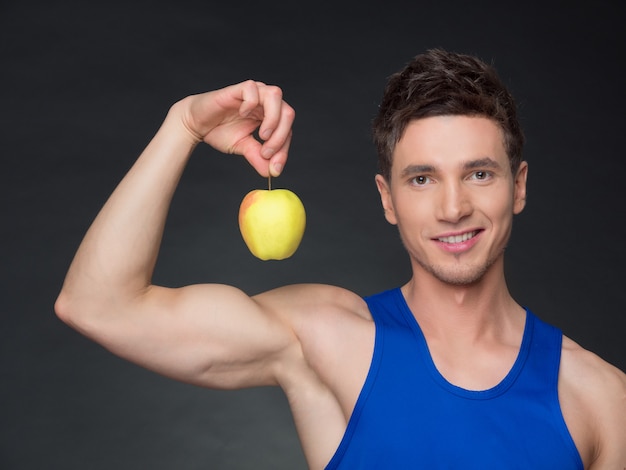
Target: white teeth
(458,238)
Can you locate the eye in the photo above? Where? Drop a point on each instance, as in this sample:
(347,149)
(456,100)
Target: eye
(420,180)
(481,175)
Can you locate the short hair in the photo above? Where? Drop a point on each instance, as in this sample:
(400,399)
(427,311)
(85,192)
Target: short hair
(440,83)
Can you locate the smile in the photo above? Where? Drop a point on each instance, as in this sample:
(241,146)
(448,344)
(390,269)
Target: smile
(458,238)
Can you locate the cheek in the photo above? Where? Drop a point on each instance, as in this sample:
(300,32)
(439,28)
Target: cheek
(501,214)
(500,206)
(499,201)
(413,214)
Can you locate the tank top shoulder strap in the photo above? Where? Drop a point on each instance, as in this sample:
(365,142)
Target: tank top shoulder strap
(387,307)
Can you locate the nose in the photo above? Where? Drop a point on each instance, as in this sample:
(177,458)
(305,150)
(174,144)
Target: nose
(454,202)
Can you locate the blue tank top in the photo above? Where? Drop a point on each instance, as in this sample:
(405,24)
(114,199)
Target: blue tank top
(408,416)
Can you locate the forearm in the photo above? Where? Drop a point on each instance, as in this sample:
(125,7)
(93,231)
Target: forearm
(209,334)
(113,266)
(117,255)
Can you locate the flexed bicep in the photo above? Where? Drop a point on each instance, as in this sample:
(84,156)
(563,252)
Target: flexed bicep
(209,335)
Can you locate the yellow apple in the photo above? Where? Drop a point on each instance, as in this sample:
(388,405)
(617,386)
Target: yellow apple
(272,223)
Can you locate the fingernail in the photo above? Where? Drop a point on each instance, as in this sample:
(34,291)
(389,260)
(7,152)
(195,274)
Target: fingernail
(277,167)
(267,152)
(266,134)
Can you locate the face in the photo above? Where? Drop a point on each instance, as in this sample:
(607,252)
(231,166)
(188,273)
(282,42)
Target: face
(453,197)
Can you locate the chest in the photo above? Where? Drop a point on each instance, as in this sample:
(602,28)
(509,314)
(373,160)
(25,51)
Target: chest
(408,412)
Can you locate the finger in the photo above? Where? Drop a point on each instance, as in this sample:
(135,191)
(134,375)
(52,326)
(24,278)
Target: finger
(249,97)
(279,159)
(282,133)
(271,98)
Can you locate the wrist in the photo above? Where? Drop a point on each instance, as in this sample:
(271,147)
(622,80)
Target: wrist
(177,122)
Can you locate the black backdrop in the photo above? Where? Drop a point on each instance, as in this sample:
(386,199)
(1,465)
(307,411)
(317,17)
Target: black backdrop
(84,86)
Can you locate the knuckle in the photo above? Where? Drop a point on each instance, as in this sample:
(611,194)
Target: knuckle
(289,112)
(275,91)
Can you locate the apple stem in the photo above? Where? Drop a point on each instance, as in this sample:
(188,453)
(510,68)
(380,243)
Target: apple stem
(269,182)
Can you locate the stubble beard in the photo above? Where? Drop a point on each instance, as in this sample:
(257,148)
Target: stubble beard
(459,274)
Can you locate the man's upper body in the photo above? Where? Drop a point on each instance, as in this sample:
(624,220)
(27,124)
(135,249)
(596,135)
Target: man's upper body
(409,415)
(452,190)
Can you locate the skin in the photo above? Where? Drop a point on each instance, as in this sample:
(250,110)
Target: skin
(450,175)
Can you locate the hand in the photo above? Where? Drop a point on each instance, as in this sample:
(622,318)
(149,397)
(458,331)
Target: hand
(227,118)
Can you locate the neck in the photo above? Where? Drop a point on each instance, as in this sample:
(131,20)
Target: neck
(465,312)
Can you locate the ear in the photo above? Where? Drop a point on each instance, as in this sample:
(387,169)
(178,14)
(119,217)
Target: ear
(385,197)
(519,196)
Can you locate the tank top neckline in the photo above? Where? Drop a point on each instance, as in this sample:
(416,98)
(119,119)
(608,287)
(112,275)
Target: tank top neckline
(489,393)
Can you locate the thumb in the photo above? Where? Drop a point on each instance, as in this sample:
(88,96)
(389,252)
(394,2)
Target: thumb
(250,148)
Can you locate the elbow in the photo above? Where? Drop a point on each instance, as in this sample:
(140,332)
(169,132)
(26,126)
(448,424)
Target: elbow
(84,312)
(62,307)
(70,311)
(74,314)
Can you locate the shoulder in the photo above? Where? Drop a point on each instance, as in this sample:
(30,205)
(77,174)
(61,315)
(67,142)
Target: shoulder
(592,374)
(333,327)
(593,398)
(299,302)
(318,314)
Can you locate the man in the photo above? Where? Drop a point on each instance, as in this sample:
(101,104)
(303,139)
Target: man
(447,371)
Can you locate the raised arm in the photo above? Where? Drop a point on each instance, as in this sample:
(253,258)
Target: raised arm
(210,335)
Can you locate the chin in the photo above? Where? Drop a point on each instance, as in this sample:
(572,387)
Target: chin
(459,279)
(459,275)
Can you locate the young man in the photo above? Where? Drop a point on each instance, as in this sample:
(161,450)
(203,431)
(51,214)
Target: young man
(447,371)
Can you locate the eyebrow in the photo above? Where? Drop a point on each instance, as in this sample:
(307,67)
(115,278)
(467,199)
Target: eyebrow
(413,169)
(469,165)
(481,163)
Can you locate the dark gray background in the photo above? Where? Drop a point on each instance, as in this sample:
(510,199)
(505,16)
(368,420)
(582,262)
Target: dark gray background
(84,85)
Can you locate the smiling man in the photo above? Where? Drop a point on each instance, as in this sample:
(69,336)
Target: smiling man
(446,371)
(455,193)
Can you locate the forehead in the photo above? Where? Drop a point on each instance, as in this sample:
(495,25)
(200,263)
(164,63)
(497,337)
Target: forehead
(445,141)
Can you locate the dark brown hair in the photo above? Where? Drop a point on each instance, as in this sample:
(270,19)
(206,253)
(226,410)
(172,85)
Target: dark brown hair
(439,83)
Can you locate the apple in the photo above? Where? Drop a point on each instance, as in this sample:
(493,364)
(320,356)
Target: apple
(272,223)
